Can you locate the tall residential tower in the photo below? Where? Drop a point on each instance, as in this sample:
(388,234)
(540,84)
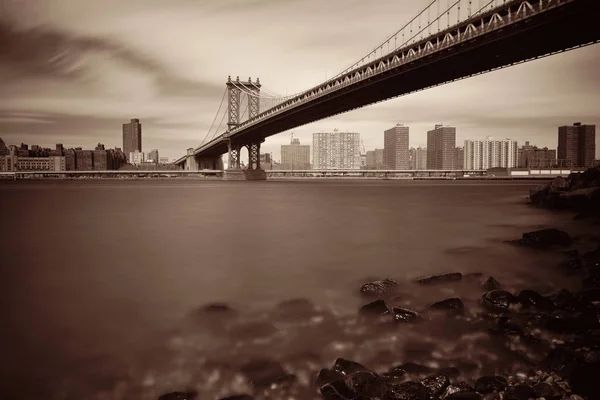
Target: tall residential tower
(395,148)
(336,150)
(441,147)
(132,137)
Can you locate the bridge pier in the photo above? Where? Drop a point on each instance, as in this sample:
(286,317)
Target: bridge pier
(253,172)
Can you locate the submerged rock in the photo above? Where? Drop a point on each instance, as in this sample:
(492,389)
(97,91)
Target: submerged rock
(374,309)
(545,239)
(490,284)
(498,300)
(407,391)
(451,306)
(488,384)
(405,315)
(378,288)
(532,299)
(449,277)
(346,367)
(519,392)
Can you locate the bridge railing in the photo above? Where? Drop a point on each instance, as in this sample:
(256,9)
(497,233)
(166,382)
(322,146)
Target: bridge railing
(468,29)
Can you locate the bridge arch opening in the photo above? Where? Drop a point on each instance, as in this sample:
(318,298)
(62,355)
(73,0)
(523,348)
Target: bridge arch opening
(244,157)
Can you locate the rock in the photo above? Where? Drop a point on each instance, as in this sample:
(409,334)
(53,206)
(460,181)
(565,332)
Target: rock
(337,390)
(375,308)
(519,392)
(592,294)
(580,199)
(413,368)
(498,300)
(263,373)
(443,278)
(365,384)
(546,238)
(378,288)
(559,183)
(492,396)
(451,306)
(464,396)
(573,266)
(532,299)
(505,327)
(488,384)
(490,284)
(435,384)
(326,376)
(574,397)
(405,315)
(545,390)
(407,391)
(179,396)
(347,367)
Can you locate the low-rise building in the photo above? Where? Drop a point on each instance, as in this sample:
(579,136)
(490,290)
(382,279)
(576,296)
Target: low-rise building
(12,163)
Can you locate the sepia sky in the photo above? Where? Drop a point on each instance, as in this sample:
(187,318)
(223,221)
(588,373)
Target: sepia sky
(73,71)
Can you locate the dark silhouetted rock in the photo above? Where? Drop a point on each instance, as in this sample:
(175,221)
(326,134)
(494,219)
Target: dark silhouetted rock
(337,390)
(365,384)
(413,368)
(545,390)
(263,373)
(238,397)
(407,391)
(378,288)
(461,391)
(451,306)
(405,315)
(490,284)
(374,309)
(492,396)
(519,392)
(436,384)
(347,367)
(464,396)
(179,396)
(488,384)
(443,278)
(532,299)
(217,308)
(592,294)
(498,300)
(326,376)
(546,238)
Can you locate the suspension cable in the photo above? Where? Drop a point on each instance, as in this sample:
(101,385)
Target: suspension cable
(215,118)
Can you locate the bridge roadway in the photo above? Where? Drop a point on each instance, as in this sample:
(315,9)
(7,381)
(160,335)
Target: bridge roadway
(515,32)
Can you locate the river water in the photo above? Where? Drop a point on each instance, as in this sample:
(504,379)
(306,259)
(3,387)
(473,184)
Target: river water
(94,272)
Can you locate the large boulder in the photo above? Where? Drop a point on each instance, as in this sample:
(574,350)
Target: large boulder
(546,238)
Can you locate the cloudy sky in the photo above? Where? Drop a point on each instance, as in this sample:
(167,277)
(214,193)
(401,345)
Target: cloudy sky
(73,71)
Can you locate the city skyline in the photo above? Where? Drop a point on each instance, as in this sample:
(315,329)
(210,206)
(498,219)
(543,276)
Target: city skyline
(89,66)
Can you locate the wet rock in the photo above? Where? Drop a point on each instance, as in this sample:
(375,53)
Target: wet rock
(490,284)
(263,373)
(567,301)
(492,396)
(546,238)
(347,367)
(405,315)
(532,299)
(238,397)
(337,390)
(498,300)
(461,390)
(365,384)
(179,396)
(435,384)
(374,309)
(545,390)
(378,288)
(407,391)
(215,308)
(488,384)
(413,368)
(559,183)
(519,392)
(592,294)
(443,278)
(573,266)
(451,306)
(326,376)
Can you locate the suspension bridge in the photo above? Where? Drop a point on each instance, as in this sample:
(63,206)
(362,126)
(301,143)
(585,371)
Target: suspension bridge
(447,41)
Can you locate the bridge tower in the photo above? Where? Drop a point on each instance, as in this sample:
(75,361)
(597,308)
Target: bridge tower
(234,92)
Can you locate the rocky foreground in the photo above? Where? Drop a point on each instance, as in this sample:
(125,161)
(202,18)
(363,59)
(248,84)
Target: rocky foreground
(507,344)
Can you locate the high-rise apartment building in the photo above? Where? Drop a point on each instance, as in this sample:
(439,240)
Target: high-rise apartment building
(153,156)
(441,147)
(374,159)
(485,154)
(533,157)
(459,158)
(295,155)
(132,136)
(577,145)
(336,150)
(395,147)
